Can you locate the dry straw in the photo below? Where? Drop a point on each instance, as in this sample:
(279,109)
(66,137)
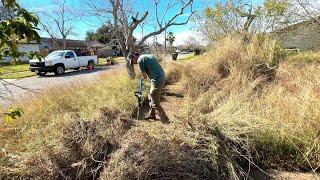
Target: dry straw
(234,120)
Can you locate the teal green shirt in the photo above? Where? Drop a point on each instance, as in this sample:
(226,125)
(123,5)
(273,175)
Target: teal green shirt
(151,66)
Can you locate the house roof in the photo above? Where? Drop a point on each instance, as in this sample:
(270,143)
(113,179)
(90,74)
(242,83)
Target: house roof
(69,42)
(295,26)
(24,41)
(60,40)
(95,44)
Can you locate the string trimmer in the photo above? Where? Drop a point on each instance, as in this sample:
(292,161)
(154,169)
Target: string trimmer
(138,94)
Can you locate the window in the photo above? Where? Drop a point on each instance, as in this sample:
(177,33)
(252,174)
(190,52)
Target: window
(70,54)
(55,54)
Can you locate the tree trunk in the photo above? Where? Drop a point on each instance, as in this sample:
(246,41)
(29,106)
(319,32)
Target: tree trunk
(64,43)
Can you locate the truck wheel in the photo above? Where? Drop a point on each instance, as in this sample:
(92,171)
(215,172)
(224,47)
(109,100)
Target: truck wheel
(90,66)
(41,73)
(59,70)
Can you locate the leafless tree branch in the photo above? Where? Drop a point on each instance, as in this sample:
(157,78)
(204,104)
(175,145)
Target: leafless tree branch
(59,20)
(125,20)
(171,21)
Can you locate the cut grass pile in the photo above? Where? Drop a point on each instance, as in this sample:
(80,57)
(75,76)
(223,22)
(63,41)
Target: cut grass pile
(233,121)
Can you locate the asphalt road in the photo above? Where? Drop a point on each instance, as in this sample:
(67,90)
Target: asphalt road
(14,90)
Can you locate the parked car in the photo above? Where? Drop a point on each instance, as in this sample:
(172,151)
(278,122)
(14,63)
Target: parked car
(185,52)
(59,61)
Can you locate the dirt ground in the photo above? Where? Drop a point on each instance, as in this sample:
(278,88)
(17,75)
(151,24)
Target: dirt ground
(172,100)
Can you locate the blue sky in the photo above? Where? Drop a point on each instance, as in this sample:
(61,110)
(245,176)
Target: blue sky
(85,24)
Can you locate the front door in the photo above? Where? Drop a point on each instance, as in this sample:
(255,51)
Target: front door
(71,61)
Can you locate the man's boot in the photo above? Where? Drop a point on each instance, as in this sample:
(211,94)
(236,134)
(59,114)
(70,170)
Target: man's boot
(152,114)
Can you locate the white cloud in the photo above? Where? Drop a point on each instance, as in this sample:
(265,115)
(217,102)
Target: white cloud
(181,37)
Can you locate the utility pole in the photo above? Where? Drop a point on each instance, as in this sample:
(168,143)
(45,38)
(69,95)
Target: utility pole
(165,40)
(142,30)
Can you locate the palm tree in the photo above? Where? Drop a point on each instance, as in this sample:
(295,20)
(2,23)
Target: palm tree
(171,38)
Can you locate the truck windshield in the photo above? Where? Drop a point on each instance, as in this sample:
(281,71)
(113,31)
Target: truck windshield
(55,55)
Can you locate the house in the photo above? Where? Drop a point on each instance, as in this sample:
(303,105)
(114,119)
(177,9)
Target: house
(50,44)
(4,13)
(24,47)
(302,36)
(46,46)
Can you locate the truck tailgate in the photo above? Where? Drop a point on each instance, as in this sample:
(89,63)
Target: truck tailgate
(83,60)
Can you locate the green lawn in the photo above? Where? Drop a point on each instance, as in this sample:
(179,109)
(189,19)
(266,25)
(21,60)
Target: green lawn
(103,61)
(18,75)
(8,71)
(188,58)
(8,68)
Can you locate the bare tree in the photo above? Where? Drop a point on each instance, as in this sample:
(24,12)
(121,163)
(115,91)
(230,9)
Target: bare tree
(305,10)
(125,19)
(58,22)
(191,43)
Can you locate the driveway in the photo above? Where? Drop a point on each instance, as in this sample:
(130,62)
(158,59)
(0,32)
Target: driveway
(13,90)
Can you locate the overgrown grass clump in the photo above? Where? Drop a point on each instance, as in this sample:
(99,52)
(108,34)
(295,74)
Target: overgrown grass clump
(276,118)
(239,113)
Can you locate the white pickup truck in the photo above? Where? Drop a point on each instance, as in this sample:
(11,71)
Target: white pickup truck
(59,61)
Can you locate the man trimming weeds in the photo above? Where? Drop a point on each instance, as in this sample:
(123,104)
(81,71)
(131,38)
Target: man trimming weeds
(151,68)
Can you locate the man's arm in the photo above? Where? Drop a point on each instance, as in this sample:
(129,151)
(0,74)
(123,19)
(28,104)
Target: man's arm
(144,75)
(141,63)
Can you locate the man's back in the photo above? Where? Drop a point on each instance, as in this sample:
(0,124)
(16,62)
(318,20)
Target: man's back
(151,66)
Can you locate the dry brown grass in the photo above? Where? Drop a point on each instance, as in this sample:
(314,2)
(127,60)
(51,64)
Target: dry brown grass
(279,119)
(305,57)
(173,72)
(233,121)
(154,151)
(40,132)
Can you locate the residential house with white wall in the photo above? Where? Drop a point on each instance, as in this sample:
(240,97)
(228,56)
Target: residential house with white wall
(303,36)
